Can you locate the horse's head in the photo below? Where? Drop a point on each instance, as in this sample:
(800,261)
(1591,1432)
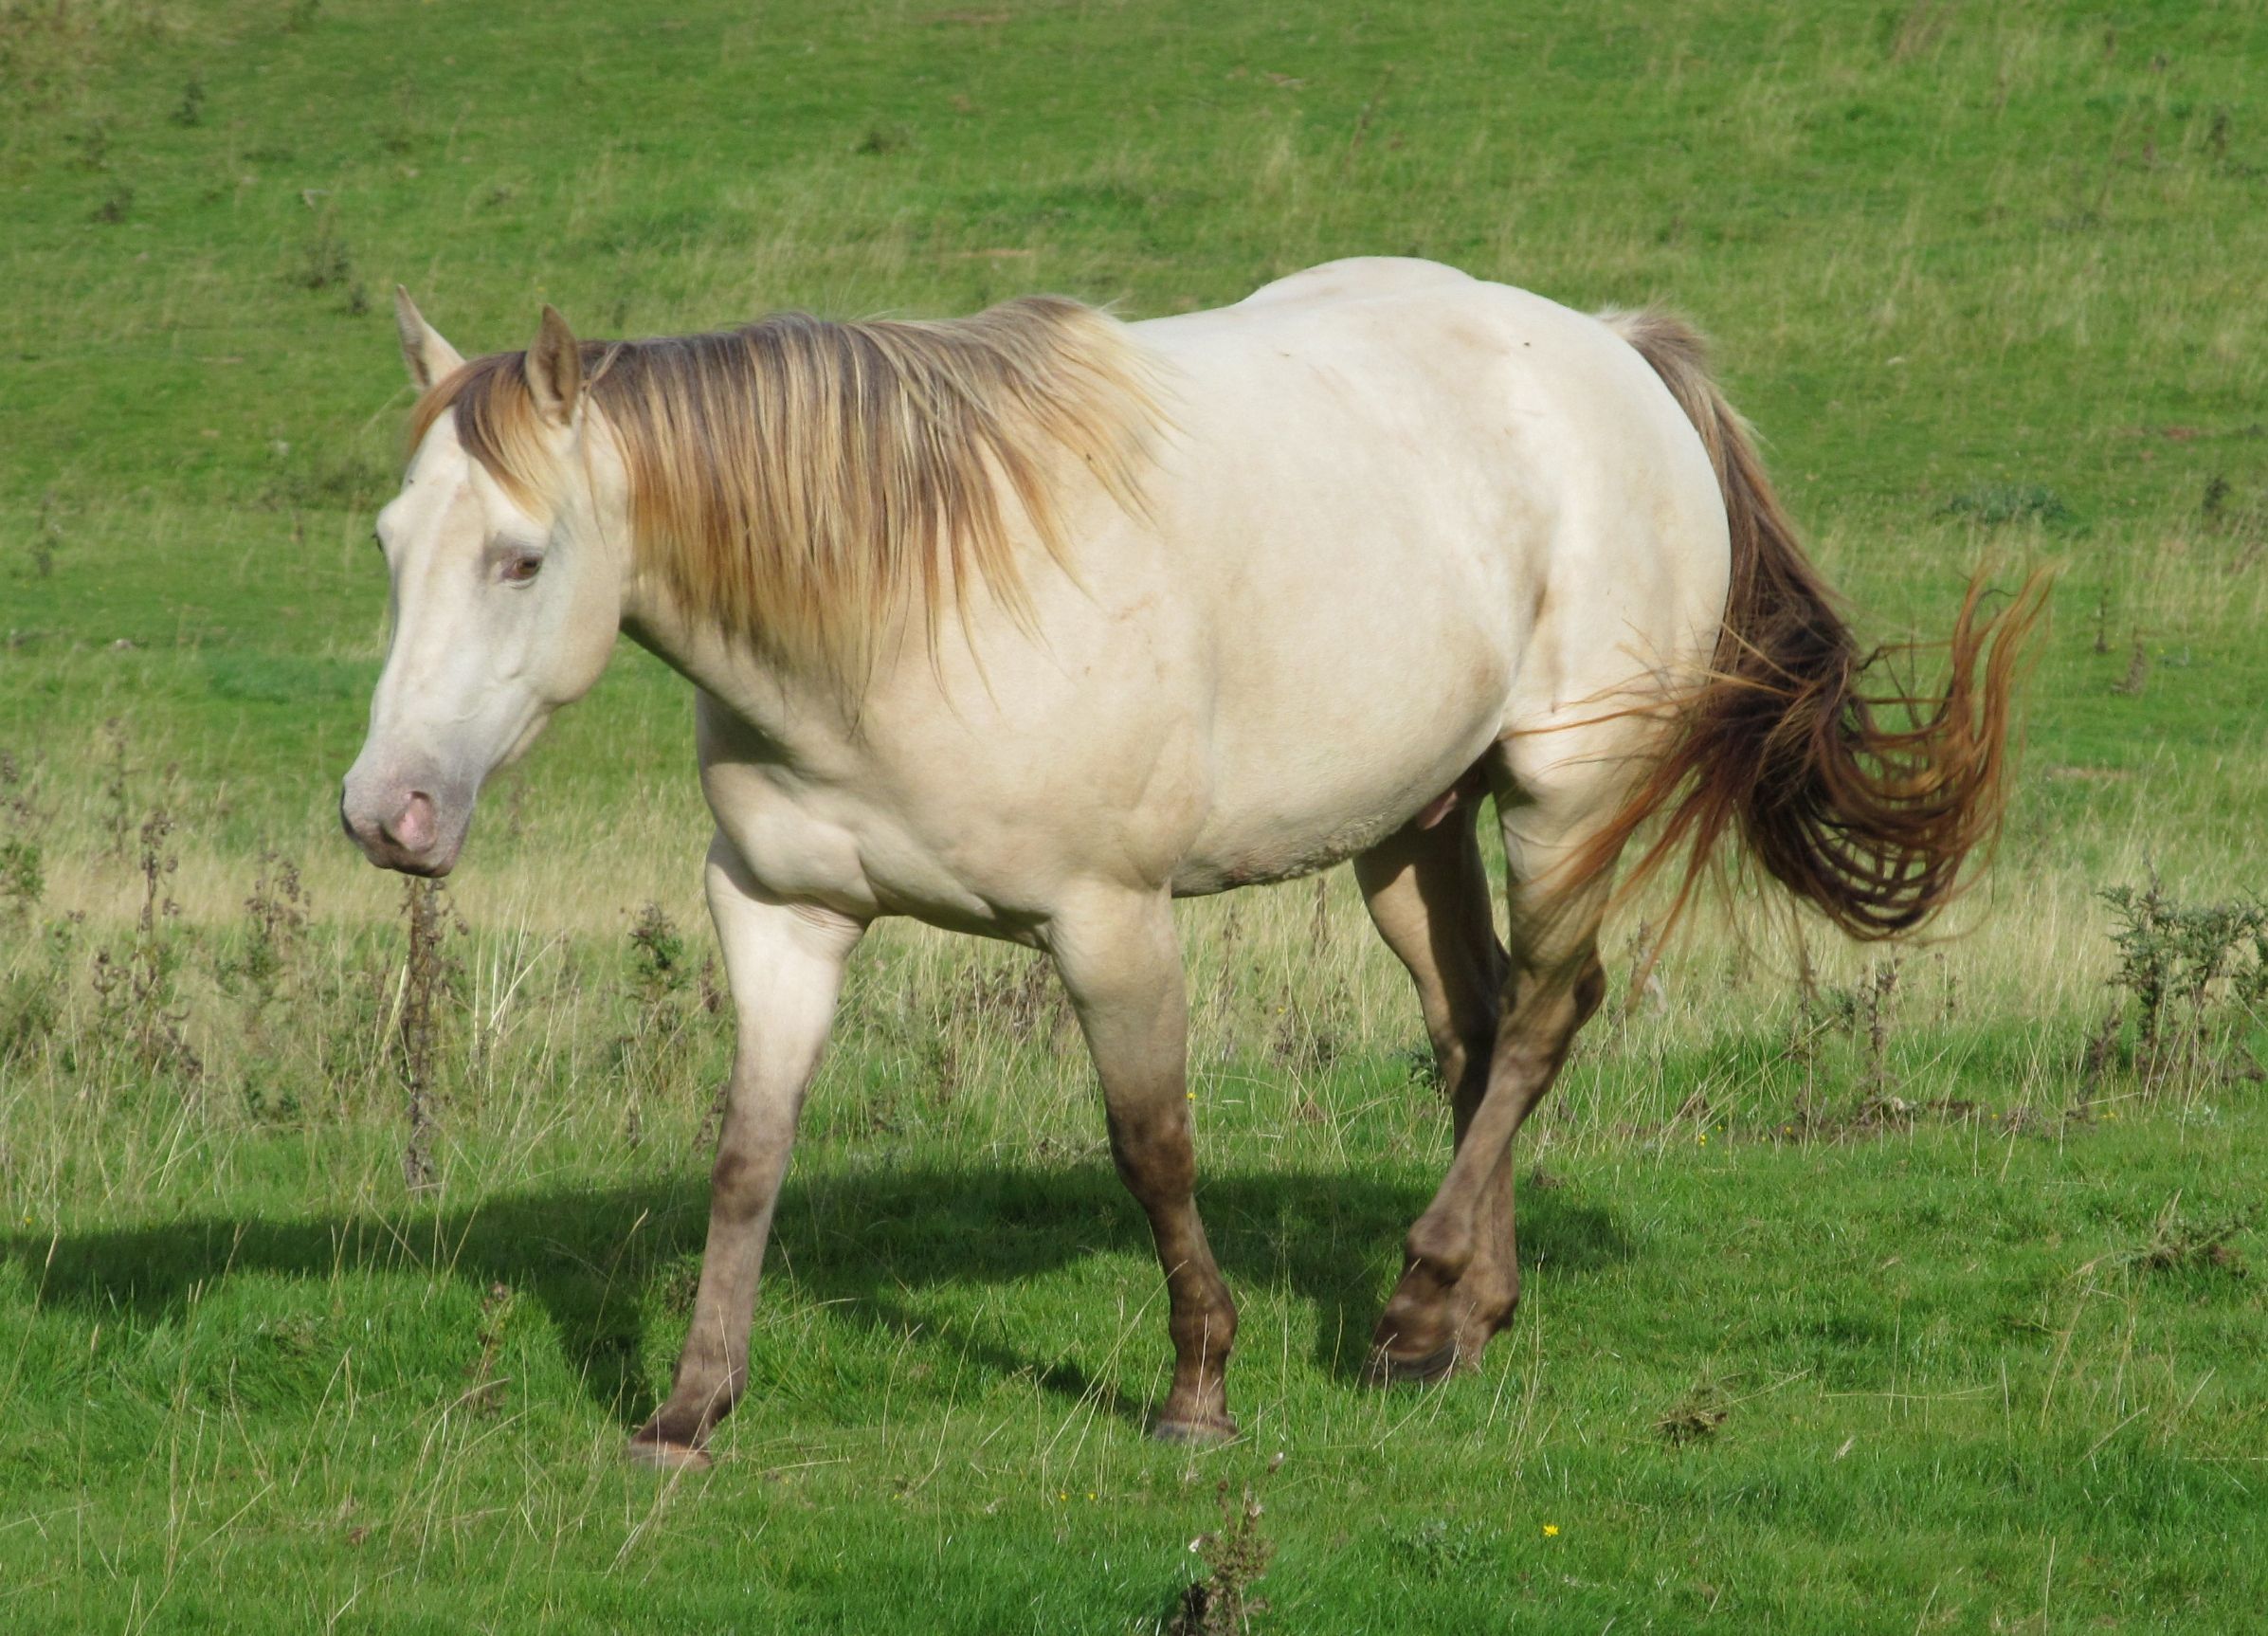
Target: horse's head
(506,585)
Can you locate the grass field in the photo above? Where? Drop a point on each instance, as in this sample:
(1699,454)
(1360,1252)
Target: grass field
(1910,1290)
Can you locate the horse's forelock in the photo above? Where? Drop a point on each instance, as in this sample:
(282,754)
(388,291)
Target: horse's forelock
(495,420)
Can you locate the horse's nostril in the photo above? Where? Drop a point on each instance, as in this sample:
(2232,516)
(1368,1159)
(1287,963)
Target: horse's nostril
(413,828)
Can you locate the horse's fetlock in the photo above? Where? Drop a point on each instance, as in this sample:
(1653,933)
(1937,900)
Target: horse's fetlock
(1440,1248)
(1210,1329)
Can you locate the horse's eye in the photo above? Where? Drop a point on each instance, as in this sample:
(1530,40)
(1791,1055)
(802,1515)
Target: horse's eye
(520,567)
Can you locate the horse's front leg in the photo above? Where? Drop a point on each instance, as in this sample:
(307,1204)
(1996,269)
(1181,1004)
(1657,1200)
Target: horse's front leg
(1120,963)
(785,964)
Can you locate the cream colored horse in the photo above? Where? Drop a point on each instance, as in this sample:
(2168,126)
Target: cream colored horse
(1028,623)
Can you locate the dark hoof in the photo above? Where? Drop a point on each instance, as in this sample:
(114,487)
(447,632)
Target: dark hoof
(659,1454)
(1388,1369)
(1201,1432)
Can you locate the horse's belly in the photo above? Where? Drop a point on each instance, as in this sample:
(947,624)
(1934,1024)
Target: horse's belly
(1292,796)
(1278,851)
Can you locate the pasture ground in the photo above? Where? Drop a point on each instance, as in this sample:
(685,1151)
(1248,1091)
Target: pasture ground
(1861,1296)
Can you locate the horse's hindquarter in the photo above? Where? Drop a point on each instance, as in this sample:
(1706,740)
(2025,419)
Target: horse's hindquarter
(1416,519)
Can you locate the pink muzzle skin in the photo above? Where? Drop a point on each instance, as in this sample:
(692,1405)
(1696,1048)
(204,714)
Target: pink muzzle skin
(409,841)
(413,829)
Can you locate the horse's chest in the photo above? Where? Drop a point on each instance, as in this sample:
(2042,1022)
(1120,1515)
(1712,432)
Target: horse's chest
(795,854)
(861,858)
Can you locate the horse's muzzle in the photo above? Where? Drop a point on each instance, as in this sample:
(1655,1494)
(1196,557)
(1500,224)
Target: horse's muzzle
(401,829)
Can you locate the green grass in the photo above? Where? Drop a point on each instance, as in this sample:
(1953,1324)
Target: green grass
(1983,1327)
(1924,1406)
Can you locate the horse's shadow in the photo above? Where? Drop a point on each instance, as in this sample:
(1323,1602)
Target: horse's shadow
(865,1241)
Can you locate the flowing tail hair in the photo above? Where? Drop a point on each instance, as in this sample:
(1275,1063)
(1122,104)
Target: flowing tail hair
(1862,803)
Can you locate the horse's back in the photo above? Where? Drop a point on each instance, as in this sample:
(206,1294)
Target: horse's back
(1356,277)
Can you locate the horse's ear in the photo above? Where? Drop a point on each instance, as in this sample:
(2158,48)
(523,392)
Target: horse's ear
(555,368)
(429,357)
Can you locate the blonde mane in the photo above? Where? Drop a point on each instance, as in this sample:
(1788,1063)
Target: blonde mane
(803,482)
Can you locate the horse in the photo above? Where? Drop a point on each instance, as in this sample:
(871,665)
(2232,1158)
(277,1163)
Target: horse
(1028,622)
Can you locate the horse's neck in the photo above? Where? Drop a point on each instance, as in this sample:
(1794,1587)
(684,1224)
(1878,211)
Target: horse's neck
(804,717)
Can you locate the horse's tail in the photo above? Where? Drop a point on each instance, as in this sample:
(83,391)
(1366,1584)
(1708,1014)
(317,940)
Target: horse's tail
(1864,802)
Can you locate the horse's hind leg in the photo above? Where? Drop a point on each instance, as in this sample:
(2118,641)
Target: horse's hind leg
(1554,983)
(1120,963)
(1428,895)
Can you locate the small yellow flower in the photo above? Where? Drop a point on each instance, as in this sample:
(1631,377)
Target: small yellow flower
(1702,1138)
(1189,1096)
(1551,1531)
